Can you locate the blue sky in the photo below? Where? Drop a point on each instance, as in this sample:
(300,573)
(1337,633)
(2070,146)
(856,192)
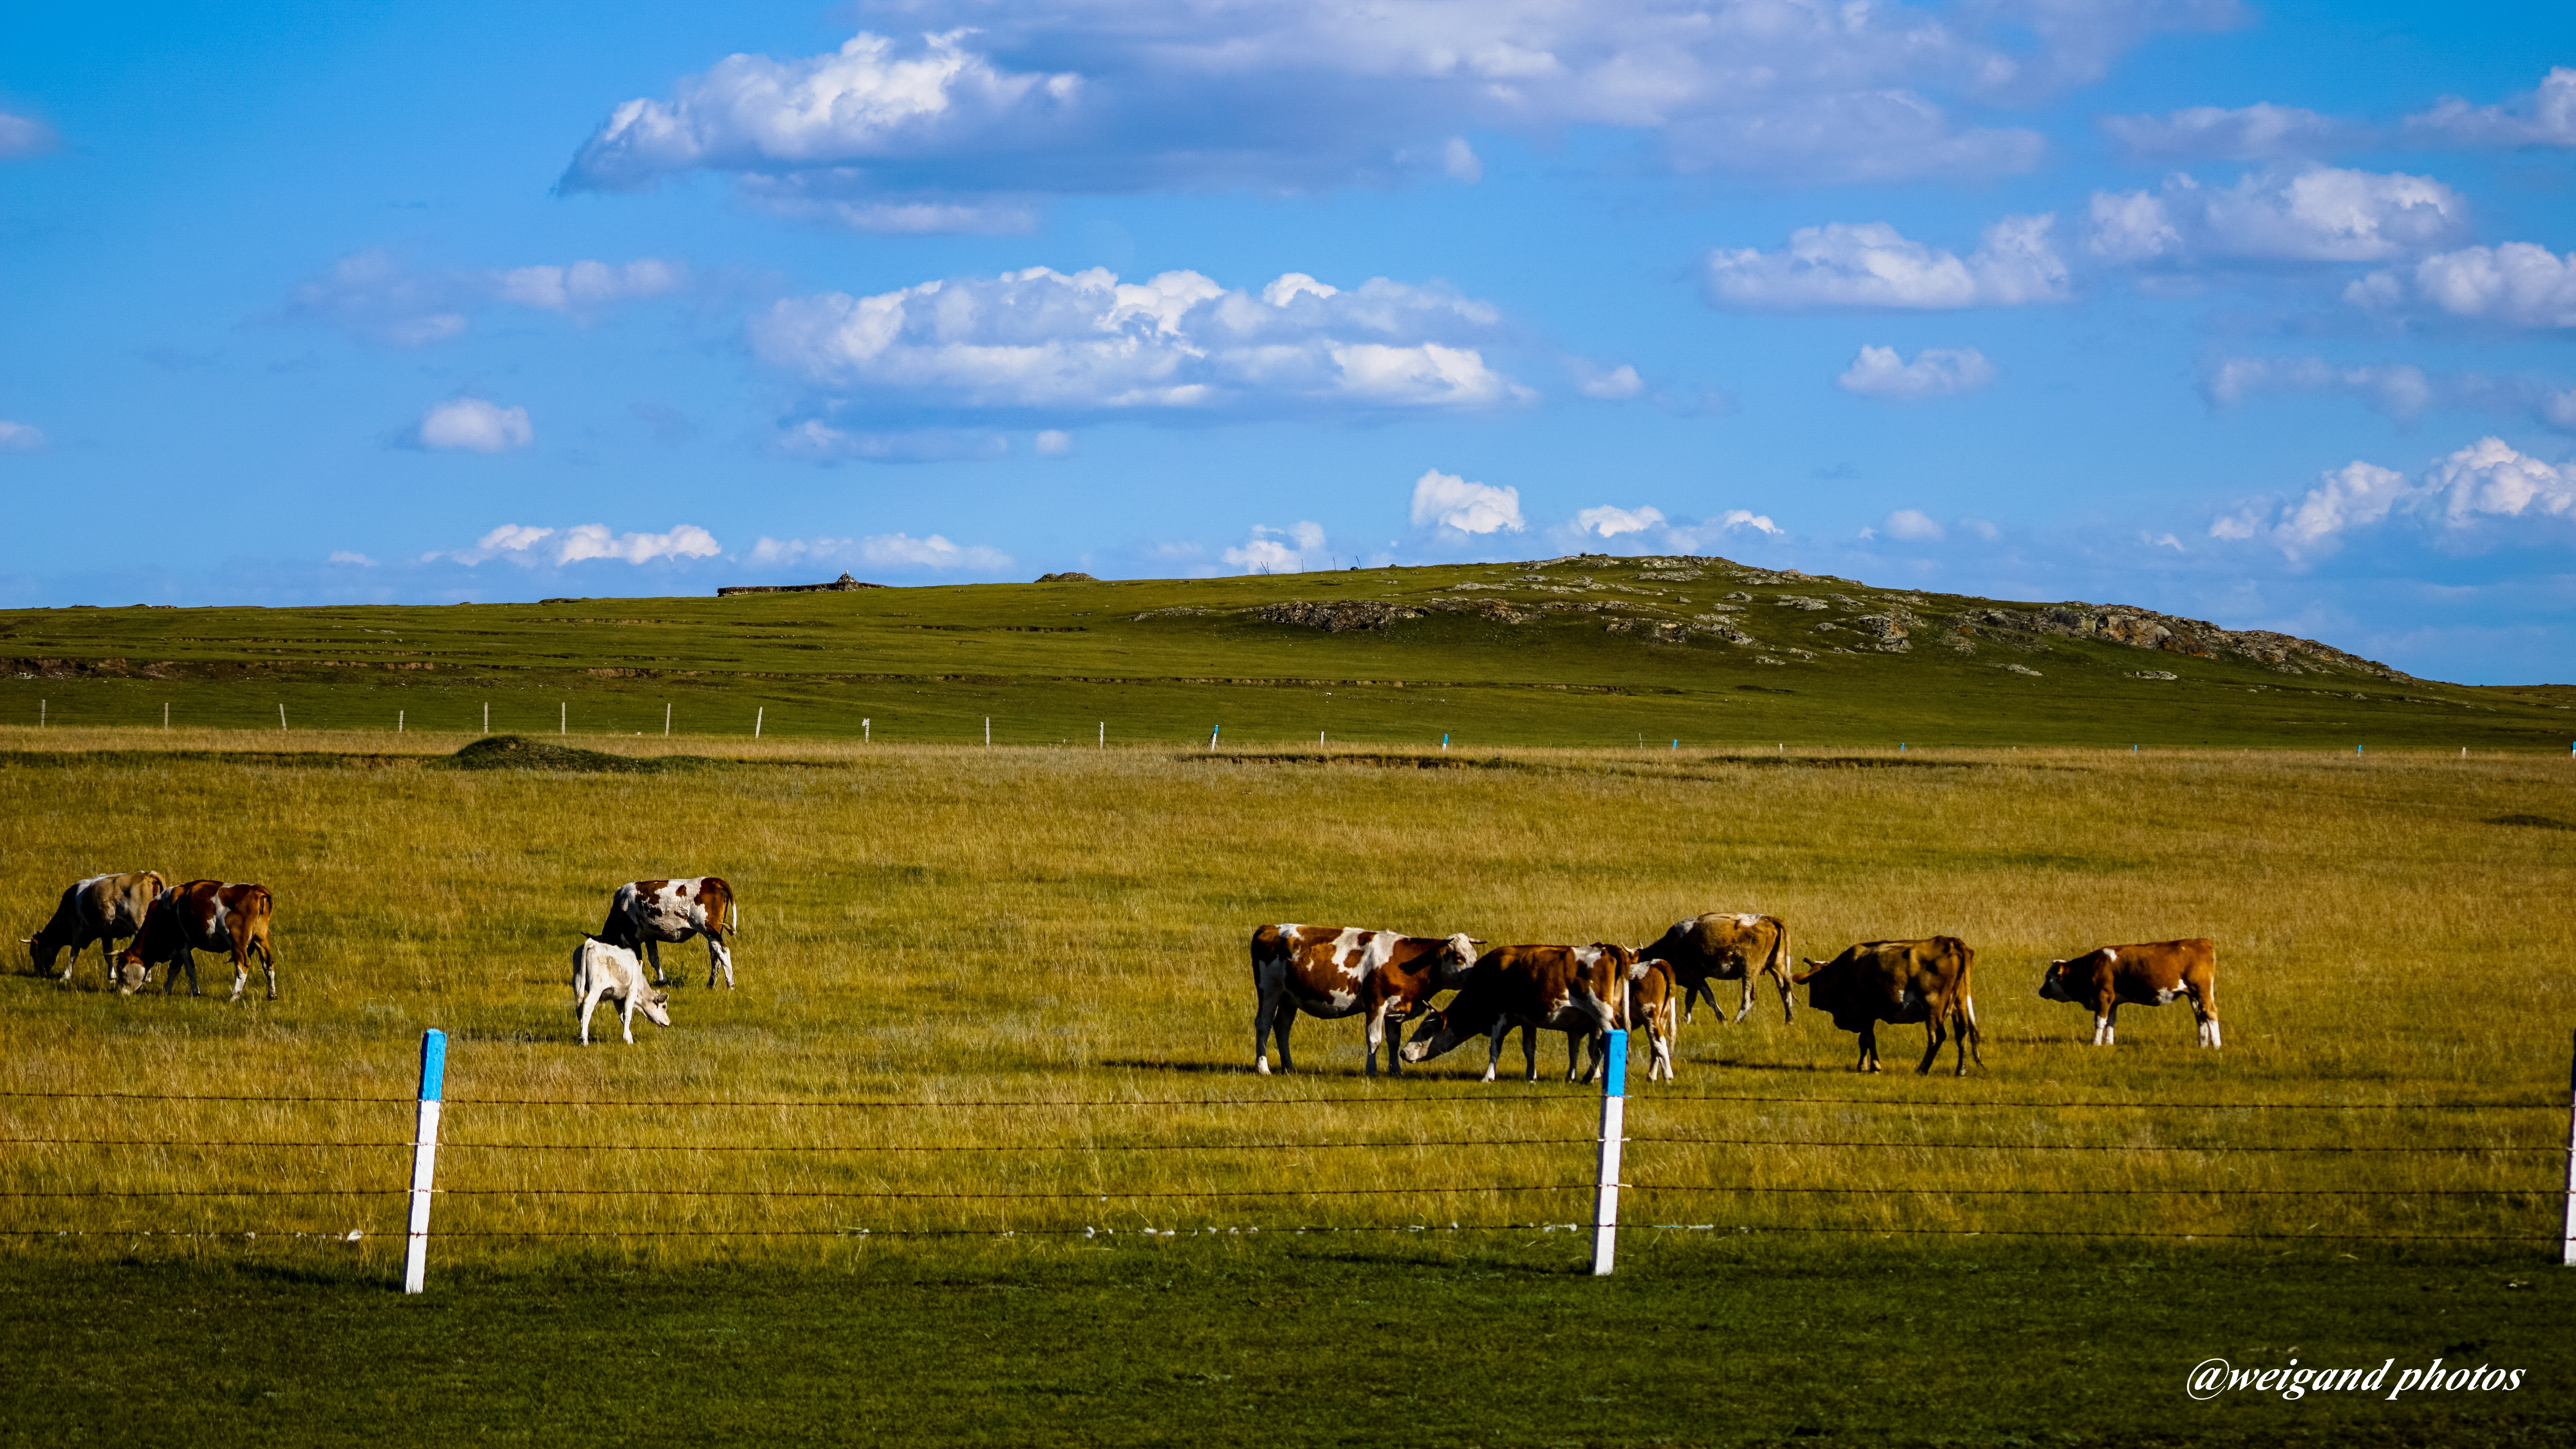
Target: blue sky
(2254,313)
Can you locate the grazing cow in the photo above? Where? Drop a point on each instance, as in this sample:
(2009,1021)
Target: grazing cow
(1653,990)
(601,968)
(202,915)
(1578,990)
(1723,946)
(103,908)
(644,913)
(1898,981)
(1331,971)
(2149,974)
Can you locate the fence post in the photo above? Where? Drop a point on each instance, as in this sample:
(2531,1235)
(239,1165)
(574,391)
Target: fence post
(2568,1258)
(1614,1132)
(424,1156)
(759,717)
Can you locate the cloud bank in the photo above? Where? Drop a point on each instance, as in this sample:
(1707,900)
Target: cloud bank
(521,544)
(2456,500)
(1872,265)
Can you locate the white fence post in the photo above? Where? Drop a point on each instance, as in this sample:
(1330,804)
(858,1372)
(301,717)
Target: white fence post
(2569,1257)
(424,1156)
(1614,1133)
(487,716)
(867,732)
(666,719)
(563,717)
(281,718)
(759,717)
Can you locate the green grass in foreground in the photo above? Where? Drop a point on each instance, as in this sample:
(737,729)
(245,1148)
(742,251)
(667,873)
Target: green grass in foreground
(1290,1344)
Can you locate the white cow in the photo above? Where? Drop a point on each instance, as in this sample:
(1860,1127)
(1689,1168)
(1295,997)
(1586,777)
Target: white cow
(601,969)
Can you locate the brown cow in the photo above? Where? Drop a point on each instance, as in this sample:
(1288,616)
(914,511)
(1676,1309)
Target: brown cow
(103,908)
(1654,988)
(1333,971)
(1898,981)
(2150,974)
(1724,946)
(1578,990)
(644,914)
(203,915)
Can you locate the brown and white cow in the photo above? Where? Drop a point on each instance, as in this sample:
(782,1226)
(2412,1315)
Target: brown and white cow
(645,913)
(202,915)
(104,908)
(1332,971)
(1578,990)
(1898,981)
(2148,974)
(1726,946)
(601,969)
(1654,993)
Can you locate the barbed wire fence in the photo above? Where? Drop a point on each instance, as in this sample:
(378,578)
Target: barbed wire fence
(1576,1163)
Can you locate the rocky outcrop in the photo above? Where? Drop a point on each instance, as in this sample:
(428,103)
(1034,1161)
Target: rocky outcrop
(1340,618)
(1067,577)
(843,584)
(2171,634)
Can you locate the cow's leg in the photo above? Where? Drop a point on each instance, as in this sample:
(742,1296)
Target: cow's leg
(268,964)
(590,1003)
(1287,1019)
(2207,1018)
(71,961)
(1494,1047)
(1868,1047)
(653,953)
(1264,1009)
(626,1013)
(2111,1024)
(1933,1036)
(1529,1053)
(1744,1007)
(188,959)
(719,955)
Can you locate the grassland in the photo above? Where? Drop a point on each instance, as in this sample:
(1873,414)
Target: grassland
(948,927)
(1583,653)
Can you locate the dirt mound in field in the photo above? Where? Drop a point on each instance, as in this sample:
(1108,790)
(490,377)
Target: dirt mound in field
(518,752)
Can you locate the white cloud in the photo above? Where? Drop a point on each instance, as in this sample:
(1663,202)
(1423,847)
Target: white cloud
(593,540)
(1610,385)
(1001,100)
(372,296)
(1178,342)
(475,425)
(1609,522)
(1277,550)
(344,556)
(2399,390)
(1935,372)
(21,438)
(1709,534)
(1054,443)
(25,136)
(2517,284)
(2485,481)
(884,550)
(1873,265)
(820,442)
(1735,518)
(1445,500)
(2260,132)
(2546,117)
(2320,214)
(1912,525)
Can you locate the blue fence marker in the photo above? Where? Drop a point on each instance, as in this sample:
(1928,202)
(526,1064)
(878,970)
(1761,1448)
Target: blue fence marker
(424,1156)
(1614,1133)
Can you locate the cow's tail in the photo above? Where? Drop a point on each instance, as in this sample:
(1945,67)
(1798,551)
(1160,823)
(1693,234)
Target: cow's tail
(1964,1010)
(733,913)
(1778,965)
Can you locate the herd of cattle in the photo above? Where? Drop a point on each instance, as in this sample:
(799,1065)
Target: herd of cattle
(1589,991)
(1387,979)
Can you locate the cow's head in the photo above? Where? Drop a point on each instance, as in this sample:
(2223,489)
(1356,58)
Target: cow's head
(2059,983)
(1431,1038)
(1451,963)
(654,1003)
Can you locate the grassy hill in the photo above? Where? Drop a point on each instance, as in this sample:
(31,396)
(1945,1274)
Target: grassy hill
(1588,650)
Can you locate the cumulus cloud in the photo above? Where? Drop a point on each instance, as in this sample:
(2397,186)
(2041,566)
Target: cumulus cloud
(1873,265)
(1045,341)
(527,545)
(1277,550)
(2261,132)
(883,551)
(374,297)
(1609,384)
(25,136)
(976,106)
(1445,500)
(21,438)
(2320,214)
(475,425)
(1912,525)
(1609,522)
(2545,117)
(2516,284)
(1934,372)
(2481,483)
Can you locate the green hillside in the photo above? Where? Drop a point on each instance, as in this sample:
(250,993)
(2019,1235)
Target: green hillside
(1588,651)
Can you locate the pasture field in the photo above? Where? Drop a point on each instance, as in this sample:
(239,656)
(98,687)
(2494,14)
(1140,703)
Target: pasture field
(988,991)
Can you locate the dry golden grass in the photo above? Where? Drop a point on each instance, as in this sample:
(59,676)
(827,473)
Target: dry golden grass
(1040,928)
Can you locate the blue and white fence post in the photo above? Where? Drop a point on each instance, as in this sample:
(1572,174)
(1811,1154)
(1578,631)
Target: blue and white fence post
(2569,1256)
(424,1156)
(1614,1133)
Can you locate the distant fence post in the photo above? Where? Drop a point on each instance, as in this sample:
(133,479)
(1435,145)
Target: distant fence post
(666,719)
(487,716)
(398,720)
(867,732)
(424,1156)
(2568,1255)
(759,717)
(1614,1132)
(281,717)
(1104,734)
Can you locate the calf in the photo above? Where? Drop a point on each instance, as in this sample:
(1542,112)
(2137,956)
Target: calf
(105,909)
(1577,990)
(1334,971)
(647,913)
(202,915)
(1898,981)
(1653,991)
(601,968)
(2150,974)
(1726,947)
